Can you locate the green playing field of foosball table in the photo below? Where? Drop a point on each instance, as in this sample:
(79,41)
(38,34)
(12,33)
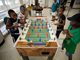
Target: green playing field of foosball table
(38,32)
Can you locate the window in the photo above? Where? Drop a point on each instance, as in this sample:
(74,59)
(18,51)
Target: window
(12,3)
(5,5)
(26,1)
(2,6)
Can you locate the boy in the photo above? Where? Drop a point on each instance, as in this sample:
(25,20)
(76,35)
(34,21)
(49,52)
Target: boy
(54,8)
(29,9)
(55,5)
(60,25)
(12,24)
(22,16)
(72,35)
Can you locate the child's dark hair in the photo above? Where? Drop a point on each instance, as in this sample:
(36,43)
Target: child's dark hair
(10,11)
(62,7)
(22,7)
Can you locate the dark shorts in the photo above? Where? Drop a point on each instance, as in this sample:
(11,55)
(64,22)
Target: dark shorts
(68,54)
(12,31)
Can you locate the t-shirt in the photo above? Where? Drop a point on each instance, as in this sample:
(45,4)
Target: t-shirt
(70,44)
(54,7)
(29,8)
(61,19)
(21,16)
(12,22)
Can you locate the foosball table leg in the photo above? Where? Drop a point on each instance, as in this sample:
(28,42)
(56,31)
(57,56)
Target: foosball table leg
(24,57)
(50,57)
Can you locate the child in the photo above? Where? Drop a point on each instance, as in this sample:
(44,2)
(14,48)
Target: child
(54,8)
(12,24)
(55,5)
(29,9)
(72,35)
(22,16)
(60,25)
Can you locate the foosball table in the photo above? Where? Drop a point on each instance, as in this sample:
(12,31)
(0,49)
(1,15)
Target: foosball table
(37,39)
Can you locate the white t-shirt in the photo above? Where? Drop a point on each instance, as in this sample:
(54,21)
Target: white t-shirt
(54,13)
(21,16)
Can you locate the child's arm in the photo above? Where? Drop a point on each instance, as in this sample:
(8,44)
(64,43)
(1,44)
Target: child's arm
(68,34)
(9,26)
(62,23)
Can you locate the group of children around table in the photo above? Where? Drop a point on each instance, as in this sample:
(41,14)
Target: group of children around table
(72,33)
(16,21)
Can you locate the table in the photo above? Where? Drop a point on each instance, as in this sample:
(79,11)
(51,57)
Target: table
(37,39)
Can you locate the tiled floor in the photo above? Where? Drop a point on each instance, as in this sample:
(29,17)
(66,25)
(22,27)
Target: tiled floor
(8,52)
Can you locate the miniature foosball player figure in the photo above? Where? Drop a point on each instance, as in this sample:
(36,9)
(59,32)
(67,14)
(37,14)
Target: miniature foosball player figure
(46,34)
(37,34)
(29,34)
